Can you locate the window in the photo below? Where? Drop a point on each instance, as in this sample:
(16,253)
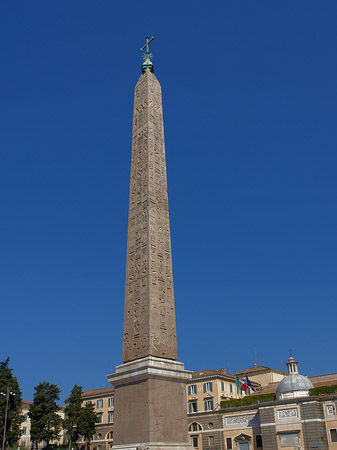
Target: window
(208,387)
(195,441)
(222,386)
(111,402)
(333,435)
(99,403)
(231,391)
(209,404)
(258,440)
(229,444)
(211,441)
(247,391)
(100,418)
(289,439)
(110,417)
(24,431)
(194,427)
(192,389)
(26,418)
(192,407)
(88,402)
(110,435)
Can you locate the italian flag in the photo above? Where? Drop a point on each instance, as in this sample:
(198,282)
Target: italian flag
(240,384)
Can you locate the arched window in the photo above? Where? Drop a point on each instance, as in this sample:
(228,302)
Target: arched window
(110,435)
(195,427)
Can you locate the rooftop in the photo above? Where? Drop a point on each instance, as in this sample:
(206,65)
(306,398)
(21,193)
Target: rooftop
(101,391)
(260,369)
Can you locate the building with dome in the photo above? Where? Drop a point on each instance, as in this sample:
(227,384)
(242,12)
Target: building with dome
(285,413)
(293,385)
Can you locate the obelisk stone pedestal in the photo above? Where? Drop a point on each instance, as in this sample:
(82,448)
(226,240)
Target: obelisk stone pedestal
(150,387)
(150,404)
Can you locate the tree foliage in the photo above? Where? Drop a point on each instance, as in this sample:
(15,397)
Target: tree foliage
(9,383)
(86,422)
(72,412)
(46,424)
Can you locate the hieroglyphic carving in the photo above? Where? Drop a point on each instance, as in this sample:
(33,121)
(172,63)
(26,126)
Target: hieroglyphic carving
(149,319)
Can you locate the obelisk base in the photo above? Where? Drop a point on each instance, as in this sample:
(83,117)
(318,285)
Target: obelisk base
(150,405)
(153,446)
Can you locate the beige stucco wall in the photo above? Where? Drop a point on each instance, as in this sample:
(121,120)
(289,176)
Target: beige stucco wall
(266,378)
(103,438)
(217,393)
(330,413)
(25,440)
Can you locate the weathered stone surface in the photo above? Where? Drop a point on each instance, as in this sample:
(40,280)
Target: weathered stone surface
(149,314)
(150,402)
(150,387)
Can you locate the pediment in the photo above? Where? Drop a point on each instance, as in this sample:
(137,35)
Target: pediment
(242,438)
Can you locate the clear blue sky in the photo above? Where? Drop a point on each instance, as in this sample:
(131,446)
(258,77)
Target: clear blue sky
(249,93)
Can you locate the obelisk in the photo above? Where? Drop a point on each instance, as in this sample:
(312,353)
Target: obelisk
(150,385)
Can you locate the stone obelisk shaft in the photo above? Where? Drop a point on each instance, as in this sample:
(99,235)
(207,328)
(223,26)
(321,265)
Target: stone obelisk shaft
(149,314)
(150,385)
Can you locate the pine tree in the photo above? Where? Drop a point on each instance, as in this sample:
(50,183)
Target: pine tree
(46,424)
(72,413)
(10,391)
(86,423)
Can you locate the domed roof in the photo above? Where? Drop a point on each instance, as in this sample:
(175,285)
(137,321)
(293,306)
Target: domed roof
(294,382)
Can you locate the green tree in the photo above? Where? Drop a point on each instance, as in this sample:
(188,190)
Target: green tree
(9,390)
(72,413)
(46,424)
(86,423)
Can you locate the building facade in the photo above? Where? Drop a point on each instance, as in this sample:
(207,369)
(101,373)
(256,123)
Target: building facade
(279,415)
(218,418)
(103,401)
(208,388)
(25,439)
(306,423)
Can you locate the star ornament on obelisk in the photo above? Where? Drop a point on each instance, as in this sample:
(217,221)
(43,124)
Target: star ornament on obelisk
(150,385)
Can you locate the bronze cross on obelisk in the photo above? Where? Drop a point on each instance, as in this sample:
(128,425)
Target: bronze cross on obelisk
(146,46)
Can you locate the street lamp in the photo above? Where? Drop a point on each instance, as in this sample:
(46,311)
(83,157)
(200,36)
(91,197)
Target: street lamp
(7,393)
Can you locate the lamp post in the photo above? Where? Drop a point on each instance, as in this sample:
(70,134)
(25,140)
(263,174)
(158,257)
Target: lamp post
(6,393)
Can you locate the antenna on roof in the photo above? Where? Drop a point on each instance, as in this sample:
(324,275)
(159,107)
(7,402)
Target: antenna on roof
(255,365)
